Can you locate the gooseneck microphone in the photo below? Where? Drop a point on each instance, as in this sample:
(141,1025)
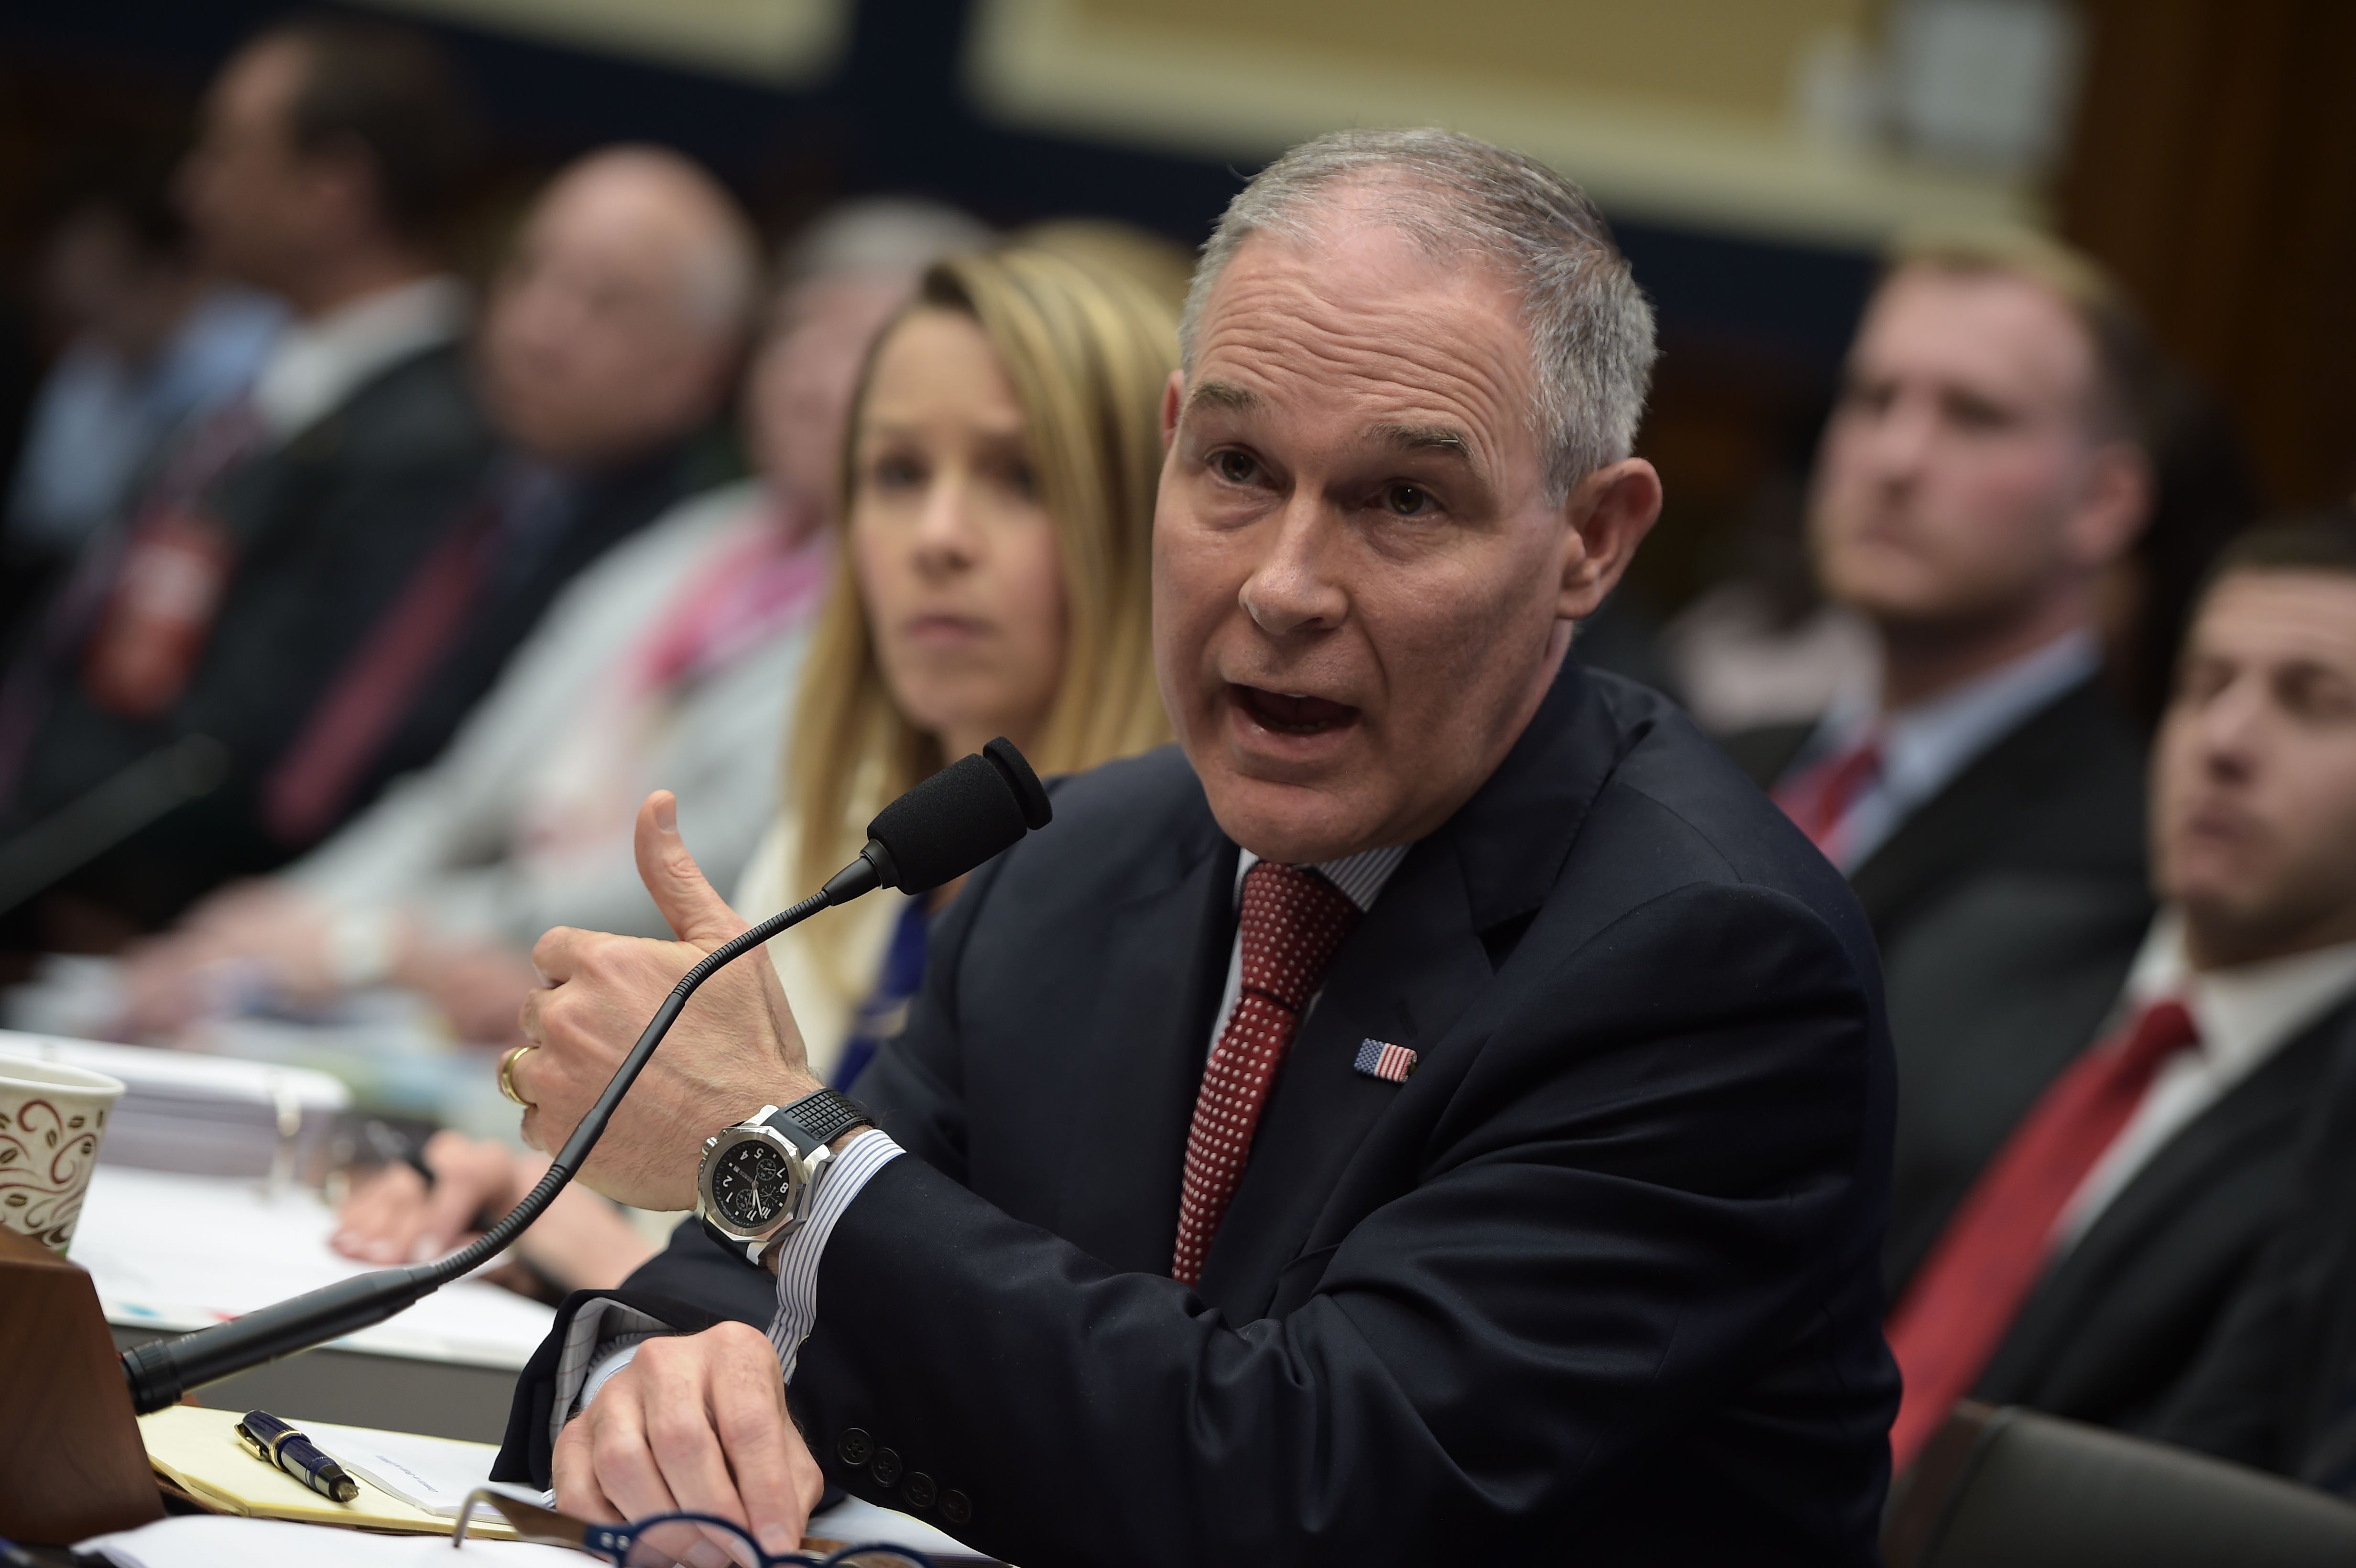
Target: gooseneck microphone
(940,830)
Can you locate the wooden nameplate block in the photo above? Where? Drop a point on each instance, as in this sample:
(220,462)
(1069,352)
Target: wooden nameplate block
(72,1464)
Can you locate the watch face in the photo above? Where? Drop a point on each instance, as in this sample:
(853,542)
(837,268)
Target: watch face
(752,1185)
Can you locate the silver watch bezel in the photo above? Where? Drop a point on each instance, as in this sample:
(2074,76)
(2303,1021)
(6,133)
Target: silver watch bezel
(801,1172)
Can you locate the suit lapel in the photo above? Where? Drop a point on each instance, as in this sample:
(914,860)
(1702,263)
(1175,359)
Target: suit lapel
(1402,978)
(1147,1041)
(1956,828)
(2256,1115)
(1406,975)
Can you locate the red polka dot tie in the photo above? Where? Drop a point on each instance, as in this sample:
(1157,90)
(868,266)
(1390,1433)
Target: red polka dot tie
(1292,921)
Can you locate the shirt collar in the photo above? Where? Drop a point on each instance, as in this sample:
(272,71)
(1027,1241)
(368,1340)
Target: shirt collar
(1360,877)
(320,362)
(2247,1012)
(1926,744)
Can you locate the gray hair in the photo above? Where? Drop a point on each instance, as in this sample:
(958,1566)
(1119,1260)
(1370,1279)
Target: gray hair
(879,236)
(1591,330)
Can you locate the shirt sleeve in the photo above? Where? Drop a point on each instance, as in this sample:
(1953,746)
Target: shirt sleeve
(799,1255)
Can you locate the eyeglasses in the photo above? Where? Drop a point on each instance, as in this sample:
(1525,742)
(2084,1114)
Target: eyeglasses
(667,1539)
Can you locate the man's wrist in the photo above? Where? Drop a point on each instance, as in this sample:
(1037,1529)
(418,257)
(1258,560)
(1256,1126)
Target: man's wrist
(840,1146)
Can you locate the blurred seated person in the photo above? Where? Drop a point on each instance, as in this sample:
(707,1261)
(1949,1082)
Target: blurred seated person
(1002,465)
(1982,467)
(667,664)
(613,333)
(149,341)
(2084,1184)
(2276,1385)
(331,153)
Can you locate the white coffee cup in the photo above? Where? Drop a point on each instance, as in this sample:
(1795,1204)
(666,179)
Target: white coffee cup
(51,1118)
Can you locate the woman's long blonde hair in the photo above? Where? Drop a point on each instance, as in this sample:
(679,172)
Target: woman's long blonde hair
(1088,350)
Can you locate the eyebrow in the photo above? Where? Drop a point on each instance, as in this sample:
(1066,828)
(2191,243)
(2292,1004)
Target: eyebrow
(1426,438)
(1224,395)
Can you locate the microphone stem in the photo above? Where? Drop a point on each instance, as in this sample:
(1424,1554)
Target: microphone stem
(162,1370)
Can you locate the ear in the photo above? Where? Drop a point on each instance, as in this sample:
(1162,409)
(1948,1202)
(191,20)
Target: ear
(1174,398)
(2115,506)
(1610,513)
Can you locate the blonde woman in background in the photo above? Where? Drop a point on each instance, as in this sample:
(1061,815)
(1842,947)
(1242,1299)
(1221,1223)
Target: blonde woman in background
(999,483)
(1001,476)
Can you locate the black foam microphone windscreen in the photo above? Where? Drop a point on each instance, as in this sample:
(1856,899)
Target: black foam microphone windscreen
(959,817)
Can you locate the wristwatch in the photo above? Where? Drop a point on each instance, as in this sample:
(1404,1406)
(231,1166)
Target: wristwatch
(754,1188)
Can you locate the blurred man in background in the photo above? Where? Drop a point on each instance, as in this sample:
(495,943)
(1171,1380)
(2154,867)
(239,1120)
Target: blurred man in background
(330,155)
(1983,468)
(613,331)
(2082,1188)
(150,340)
(669,664)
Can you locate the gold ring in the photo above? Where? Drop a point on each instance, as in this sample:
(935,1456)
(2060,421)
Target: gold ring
(507,1074)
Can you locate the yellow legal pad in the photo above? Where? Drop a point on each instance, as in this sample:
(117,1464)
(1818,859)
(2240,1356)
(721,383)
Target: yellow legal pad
(197,1450)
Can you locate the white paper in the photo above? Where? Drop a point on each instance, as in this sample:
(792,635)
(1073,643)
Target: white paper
(220,1540)
(436,1473)
(183,1251)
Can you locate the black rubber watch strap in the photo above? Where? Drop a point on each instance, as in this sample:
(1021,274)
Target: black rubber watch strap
(826,1115)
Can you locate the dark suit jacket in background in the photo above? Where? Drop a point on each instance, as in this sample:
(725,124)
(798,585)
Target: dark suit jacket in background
(1599,1279)
(326,529)
(1991,995)
(609,507)
(2061,795)
(2275,1386)
(2113,1329)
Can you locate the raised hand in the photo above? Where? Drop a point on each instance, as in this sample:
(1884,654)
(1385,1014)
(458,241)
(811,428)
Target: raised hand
(734,1049)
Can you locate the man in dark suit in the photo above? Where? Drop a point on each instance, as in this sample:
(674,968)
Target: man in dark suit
(331,154)
(2078,1260)
(1982,467)
(1529,1198)
(612,337)
(2276,1385)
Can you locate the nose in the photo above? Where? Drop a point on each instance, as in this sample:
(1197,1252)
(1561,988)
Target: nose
(2229,726)
(1292,589)
(946,541)
(1896,439)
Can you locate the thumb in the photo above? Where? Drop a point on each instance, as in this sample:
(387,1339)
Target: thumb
(687,901)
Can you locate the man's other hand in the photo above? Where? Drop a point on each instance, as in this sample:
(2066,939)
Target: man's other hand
(734,1047)
(693,1425)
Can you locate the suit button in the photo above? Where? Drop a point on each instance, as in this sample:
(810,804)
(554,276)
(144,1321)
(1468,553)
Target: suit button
(956,1507)
(886,1468)
(919,1490)
(856,1448)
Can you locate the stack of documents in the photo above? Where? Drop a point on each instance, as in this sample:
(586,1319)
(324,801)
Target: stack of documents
(183,1251)
(201,1116)
(408,1483)
(197,1451)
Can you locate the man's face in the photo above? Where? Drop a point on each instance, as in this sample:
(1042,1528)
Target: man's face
(2253,778)
(255,203)
(1960,481)
(1360,585)
(594,349)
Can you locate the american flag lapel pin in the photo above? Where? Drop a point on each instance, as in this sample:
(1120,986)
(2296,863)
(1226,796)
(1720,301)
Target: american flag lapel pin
(1388,1062)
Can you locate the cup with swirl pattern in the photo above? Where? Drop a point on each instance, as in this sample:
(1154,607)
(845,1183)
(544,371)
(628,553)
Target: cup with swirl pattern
(51,1118)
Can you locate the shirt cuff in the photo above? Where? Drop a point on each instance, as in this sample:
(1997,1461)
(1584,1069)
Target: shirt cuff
(614,1355)
(598,1327)
(798,1256)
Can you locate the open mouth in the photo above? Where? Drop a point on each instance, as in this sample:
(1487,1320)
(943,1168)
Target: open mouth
(1287,714)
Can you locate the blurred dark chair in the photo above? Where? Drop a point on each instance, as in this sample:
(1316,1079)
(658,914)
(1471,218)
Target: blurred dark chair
(2012,1489)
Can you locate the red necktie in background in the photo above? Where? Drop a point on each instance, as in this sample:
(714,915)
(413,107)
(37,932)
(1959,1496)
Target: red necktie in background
(1968,1292)
(306,793)
(1819,795)
(1292,921)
